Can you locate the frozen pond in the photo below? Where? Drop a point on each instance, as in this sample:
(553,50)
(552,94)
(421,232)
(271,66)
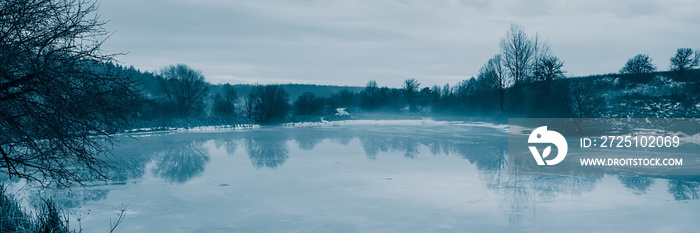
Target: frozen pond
(405,176)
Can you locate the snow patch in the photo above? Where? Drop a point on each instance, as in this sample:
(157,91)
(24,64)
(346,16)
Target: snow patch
(147,132)
(219,128)
(341,112)
(421,122)
(518,130)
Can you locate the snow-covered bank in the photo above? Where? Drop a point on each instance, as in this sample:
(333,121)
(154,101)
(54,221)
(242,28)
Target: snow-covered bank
(219,128)
(145,132)
(414,122)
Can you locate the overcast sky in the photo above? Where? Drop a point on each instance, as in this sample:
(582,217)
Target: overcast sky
(351,42)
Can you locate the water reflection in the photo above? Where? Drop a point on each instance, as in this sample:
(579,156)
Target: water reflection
(180,162)
(341,138)
(405,145)
(522,194)
(637,184)
(68,198)
(267,149)
(230,145)
(373,144)
(307,140)
(130,159)
(683,190)
(178,158)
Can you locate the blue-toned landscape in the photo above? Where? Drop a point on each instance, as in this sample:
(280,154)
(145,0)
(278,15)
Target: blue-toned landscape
(349,116)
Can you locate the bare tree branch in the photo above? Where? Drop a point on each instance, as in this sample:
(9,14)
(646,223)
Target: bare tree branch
(59,100)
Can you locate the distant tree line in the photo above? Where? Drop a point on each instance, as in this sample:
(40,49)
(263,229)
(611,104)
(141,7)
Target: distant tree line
(523,79)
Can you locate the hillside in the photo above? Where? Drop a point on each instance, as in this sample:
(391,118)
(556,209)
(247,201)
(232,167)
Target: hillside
(657,95)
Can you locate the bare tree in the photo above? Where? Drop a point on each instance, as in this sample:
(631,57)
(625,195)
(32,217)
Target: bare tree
(270,103)
(184,88)
(248,107)
(370,96)
(59,103)
(518,51)
(549,68)
(685,59)
(585,101)
(494,74)
(224,105)
(542,51)
(639,64)
(307,104)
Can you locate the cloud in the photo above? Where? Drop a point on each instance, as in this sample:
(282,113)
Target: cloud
(351,42)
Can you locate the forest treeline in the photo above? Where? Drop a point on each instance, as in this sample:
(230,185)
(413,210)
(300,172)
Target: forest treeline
(524,79)
(609,95)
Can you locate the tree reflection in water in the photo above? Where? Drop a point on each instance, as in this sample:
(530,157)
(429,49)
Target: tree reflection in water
(181,162)
(308,139)
(373,144)
(406,145)
(342,138)
(130,160)
(522,195)
(683,190)
(267,149)
(68,198)
(230,145)
(637,184)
